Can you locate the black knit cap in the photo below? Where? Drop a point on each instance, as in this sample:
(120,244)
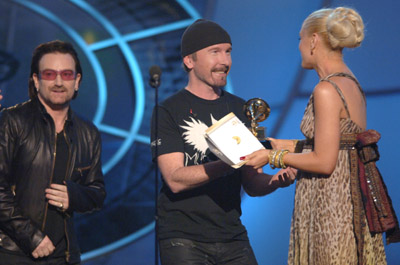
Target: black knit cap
(201,34)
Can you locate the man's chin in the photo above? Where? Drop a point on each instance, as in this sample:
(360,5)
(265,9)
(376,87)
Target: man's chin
(221,84)
(58,105)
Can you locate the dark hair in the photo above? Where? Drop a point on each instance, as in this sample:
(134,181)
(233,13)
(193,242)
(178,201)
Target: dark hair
(55,46)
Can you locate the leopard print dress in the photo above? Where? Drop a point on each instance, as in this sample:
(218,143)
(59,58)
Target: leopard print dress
(322,229)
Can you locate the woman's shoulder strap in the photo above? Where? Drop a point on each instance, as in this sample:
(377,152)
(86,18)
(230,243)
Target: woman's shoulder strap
(338,90)
(327,79)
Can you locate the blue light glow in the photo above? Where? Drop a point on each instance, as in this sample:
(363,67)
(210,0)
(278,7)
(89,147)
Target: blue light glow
(120,243)
(136,76)
(142,34)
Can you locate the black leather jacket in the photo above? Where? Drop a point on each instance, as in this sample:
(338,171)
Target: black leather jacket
(27,148)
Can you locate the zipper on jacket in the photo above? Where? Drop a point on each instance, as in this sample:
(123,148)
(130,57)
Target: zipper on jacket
(81,169)
(67,254)
(51,180)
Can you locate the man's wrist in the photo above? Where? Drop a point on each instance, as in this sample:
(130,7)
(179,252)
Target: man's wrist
(217,169)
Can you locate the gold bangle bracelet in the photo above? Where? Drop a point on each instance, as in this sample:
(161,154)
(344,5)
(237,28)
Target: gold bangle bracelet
(281,163)
(276,159)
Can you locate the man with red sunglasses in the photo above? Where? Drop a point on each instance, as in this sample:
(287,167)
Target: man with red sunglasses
(50,164)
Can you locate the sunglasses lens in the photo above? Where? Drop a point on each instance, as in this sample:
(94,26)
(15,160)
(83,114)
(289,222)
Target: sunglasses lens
(66,75)
(48,74)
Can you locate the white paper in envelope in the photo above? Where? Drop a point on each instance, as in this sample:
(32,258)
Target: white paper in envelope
(229,139)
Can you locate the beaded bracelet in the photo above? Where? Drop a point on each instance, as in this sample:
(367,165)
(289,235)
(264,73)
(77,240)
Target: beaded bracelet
(271,157)
(276,160)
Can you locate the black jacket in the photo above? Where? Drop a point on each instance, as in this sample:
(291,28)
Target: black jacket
(27,148)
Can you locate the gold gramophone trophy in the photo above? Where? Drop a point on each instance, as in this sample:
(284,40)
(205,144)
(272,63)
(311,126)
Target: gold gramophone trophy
(257,110)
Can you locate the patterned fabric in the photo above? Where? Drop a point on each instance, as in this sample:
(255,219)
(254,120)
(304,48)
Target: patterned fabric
(322,230)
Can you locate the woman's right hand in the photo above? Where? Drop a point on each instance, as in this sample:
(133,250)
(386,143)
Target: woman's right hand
(257,159)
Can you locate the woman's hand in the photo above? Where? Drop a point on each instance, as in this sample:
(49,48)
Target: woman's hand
(257,159)
(282,144)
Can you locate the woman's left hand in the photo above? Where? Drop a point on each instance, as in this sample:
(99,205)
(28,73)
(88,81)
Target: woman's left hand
(257,159)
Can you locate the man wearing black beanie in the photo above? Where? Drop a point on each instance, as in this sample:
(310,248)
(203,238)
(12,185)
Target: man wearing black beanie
(199,203)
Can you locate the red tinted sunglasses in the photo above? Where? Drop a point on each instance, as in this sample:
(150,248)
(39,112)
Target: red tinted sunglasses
(49,74)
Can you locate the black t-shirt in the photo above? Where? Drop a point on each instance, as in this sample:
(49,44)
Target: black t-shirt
(55,221)
(210,213)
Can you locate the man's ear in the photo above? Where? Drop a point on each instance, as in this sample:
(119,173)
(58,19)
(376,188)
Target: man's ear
(188,61)
(35,81)
(77,80)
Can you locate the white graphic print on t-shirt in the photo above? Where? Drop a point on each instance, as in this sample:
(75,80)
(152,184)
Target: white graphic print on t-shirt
(194,136)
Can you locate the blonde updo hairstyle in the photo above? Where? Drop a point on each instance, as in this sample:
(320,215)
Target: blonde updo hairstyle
(340,27)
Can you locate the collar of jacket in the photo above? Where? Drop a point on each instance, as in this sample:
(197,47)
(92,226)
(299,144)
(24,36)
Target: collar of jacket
(39,106)
(68,127)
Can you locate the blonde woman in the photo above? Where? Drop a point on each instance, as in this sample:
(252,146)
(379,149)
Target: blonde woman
(323,227)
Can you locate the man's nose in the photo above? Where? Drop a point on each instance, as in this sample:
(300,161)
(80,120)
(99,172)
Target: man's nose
(59,80)
(226,59)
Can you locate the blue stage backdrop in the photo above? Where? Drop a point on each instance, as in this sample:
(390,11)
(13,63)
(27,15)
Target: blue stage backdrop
(118,41)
